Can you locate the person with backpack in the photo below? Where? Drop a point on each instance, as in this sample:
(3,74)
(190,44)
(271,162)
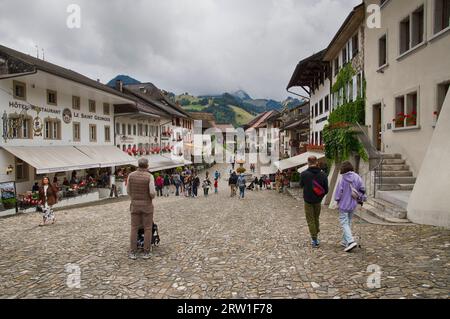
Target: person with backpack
(350,192)
(315,186)
(241,182)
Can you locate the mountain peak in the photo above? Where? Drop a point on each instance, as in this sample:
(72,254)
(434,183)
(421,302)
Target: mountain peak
(127,80)
(241,94)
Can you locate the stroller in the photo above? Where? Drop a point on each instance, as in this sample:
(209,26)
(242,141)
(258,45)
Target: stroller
(155,237)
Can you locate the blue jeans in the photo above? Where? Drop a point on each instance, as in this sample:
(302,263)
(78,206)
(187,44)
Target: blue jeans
(177,193)
(242,192)
(345,219)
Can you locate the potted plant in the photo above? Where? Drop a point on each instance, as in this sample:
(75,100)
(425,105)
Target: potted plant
(295,180)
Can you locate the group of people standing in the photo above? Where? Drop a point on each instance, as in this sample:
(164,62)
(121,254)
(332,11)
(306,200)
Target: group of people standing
(186,183)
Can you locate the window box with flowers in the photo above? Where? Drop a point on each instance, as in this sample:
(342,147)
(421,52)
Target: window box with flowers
(406,107)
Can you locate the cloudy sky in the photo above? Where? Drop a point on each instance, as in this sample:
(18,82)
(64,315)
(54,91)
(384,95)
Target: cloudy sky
(195,46)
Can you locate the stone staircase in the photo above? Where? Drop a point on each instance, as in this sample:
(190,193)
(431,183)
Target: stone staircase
(396,175)
(394,185)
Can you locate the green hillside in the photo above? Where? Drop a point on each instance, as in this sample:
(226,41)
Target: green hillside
(242,116)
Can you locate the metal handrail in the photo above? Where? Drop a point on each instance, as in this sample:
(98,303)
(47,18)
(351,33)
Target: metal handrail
(378,169)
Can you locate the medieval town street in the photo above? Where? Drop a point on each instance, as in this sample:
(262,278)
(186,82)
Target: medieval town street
(218,248)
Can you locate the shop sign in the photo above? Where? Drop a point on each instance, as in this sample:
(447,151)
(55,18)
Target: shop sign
(91,117)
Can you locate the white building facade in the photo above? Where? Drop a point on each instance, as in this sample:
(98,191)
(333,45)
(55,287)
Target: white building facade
(54,122)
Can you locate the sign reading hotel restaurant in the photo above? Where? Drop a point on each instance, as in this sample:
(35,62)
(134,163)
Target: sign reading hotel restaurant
(21,106)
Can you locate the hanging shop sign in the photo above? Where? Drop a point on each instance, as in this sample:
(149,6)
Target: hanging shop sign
(38,125)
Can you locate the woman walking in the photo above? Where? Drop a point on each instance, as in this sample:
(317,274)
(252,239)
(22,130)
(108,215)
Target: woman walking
(48,196)
(350,192)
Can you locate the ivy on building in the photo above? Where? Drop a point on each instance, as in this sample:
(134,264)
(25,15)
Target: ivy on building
(339,134)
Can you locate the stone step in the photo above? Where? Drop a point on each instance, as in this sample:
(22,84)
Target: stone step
(397,187)
(396,173)
(374,215)
(396,180)
(389,209)
(394,201)
(394,162)
(398,167)
(391,156)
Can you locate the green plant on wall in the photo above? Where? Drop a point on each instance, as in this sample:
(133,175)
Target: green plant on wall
(339,138)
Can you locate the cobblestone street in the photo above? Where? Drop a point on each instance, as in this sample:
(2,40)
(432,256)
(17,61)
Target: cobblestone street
(219,248)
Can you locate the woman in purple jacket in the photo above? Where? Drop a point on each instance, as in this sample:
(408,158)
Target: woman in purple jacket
(350,192)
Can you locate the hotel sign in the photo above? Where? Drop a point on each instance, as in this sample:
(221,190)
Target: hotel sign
(25,107)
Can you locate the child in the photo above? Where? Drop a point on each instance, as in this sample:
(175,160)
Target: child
(216,186)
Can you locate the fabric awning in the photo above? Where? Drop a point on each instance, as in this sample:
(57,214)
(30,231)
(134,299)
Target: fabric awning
(107,156)
(292,162)
(296,161)
(160,163)
(52,159)
(55,159)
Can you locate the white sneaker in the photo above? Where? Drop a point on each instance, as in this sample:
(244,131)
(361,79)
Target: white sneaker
(132,256)
(147,256)
(350,247)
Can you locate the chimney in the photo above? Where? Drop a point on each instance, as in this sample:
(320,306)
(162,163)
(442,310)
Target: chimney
(119,85)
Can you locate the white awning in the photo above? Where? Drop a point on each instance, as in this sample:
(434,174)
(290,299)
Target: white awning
(52,159)
(296,161)
(107,156)
(160,163)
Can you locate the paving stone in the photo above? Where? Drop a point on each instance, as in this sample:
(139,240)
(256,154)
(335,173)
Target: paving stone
(219,247)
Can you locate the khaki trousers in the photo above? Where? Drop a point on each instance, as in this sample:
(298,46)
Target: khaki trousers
(312,212)
(141,216)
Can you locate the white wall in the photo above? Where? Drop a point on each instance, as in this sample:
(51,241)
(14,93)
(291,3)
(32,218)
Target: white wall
(319,95)
(429,202)
(422,70)
(36,94)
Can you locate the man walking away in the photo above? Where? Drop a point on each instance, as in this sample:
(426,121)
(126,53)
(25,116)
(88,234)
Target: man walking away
(177,183)
(242,184)
(166,185)
(195,186)
(232,183)
(315,186)
(141,188)
(349,192)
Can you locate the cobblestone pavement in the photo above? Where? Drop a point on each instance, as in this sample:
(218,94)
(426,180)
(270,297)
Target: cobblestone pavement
(219,248)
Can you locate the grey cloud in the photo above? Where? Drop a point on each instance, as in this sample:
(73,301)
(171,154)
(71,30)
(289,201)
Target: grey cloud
(199,46)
